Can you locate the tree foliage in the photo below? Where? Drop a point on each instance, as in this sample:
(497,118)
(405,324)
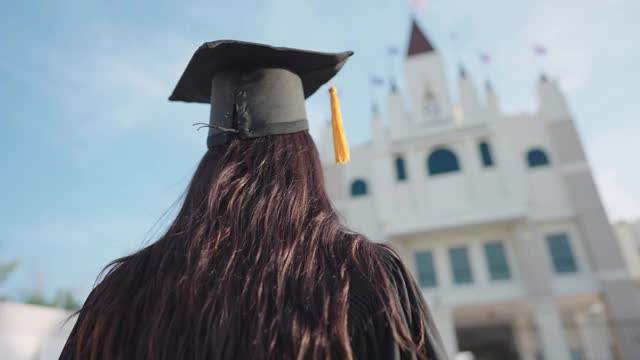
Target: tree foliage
(64,299)
(6,269)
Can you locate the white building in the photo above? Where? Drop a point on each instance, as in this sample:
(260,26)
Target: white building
(628,234)
(497,216)
(30,332)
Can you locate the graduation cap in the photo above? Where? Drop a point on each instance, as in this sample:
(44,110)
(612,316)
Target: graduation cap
(258,90)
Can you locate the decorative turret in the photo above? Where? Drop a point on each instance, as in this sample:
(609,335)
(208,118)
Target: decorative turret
(552,105)
(468,98)
(396,114)
(493,105)
(426,80)
(378,131)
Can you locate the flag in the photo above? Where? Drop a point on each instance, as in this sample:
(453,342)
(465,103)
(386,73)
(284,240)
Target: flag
(377,81)
(539,50)
(485,58)
(416,4)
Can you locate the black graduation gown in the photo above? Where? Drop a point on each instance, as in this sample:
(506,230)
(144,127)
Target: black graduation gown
(371,336)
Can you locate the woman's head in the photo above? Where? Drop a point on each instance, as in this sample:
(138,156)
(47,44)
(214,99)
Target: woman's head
(255,265)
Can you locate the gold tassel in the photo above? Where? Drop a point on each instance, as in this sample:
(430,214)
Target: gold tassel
(339,139)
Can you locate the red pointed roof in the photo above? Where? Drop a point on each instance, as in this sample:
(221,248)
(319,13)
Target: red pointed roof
(419,43)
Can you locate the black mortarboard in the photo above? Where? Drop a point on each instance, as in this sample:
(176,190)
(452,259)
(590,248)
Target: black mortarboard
(255,90)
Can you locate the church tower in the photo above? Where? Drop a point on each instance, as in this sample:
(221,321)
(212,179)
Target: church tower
(430,101)
(468,98)
(496,215)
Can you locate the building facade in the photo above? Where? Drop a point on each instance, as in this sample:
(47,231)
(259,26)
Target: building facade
(628,235)
(31,332)
(496,215)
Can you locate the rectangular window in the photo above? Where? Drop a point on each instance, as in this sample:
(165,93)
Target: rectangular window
(460,266)
(485,154)
(401,171)
(426,269)
(497,260)
(561,253)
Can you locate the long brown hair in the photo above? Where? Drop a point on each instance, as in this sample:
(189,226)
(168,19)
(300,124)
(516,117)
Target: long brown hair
(256,265)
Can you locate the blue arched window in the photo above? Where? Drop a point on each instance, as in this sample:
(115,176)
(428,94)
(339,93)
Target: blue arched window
(359,188)
(537,157)
(401,170)
(442,161)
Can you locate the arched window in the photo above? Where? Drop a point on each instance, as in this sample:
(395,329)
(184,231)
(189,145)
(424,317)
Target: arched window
(485,154)
(442,161)
(537,157)
(359,188)
(401,170)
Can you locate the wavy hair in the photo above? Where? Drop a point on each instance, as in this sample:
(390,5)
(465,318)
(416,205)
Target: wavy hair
(255,265)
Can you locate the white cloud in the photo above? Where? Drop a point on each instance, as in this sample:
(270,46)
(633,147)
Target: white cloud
(114,85)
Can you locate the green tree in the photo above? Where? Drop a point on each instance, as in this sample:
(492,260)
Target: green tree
(64,299)
(36,298)
(5,270)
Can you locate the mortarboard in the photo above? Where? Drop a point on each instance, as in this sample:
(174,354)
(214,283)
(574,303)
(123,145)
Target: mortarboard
(258,90)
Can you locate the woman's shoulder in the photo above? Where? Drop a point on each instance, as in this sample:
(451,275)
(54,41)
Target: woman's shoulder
(369,302)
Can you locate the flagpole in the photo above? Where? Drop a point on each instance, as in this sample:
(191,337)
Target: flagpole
(485,59)
(456,50)
(540,52)
(372,95)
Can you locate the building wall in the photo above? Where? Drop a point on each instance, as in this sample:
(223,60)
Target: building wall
(29,332)
(475,194)
(511,201)
(628,236)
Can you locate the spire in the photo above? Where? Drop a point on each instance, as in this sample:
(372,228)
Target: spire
(468,97)
(488,86)
(543,77)
(419,43)
(462,71)
(552,104)
(493,105)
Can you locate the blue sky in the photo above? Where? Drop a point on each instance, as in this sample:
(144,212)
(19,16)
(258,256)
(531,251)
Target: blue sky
(92,154)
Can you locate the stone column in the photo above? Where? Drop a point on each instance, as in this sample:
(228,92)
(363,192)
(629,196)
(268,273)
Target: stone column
(525,337)
(535,270)
(550,330)
(443,317)
(593,332)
